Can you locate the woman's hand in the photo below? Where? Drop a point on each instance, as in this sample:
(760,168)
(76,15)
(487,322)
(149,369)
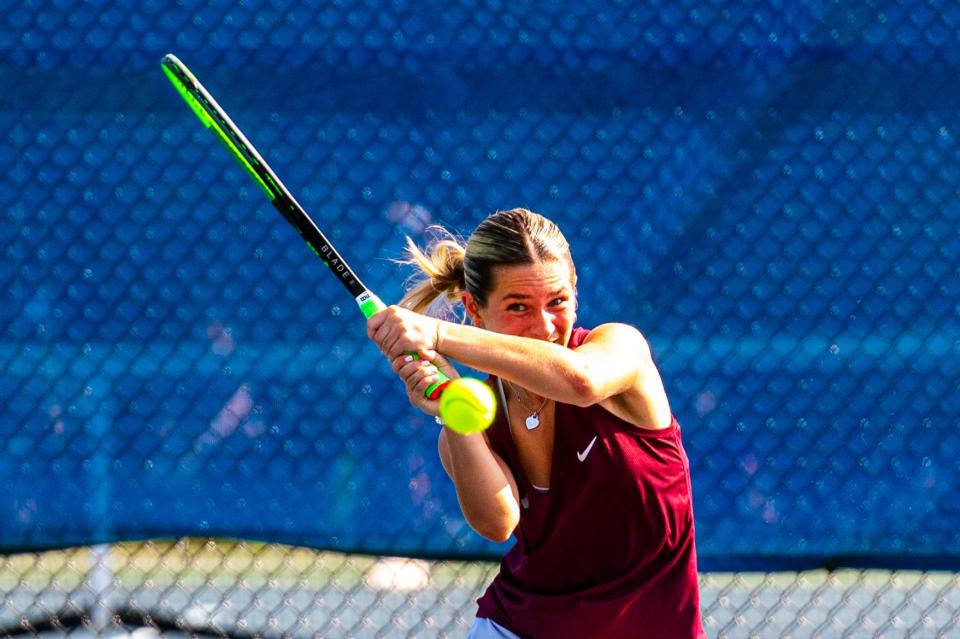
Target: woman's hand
(418,374)
(398,331)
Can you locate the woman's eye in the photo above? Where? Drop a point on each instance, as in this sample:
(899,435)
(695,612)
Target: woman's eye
(517,308)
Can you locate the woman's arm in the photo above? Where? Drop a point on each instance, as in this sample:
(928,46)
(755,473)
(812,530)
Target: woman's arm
(606,364)
(486,489)
(549,370)
(612,367)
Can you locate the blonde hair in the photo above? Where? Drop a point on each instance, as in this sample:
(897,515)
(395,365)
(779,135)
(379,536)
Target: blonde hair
(448,267)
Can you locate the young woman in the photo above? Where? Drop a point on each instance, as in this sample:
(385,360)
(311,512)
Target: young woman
(583,463)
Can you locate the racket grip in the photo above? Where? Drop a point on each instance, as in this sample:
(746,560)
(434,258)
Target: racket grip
(435,389)
(370,305)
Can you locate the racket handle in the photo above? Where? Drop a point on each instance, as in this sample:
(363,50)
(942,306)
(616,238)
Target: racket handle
(370,305)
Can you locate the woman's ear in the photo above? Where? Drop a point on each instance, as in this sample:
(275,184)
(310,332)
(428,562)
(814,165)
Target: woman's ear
(473,309)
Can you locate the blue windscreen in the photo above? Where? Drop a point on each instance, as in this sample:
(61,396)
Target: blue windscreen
(768,192)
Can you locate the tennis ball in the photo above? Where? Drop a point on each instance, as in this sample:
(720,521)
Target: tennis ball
(467,405)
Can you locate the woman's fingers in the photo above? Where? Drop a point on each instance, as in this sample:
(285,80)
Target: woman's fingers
(415,373)
(419,371)
(405,365)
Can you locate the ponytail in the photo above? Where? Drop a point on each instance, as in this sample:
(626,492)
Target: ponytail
(441,272)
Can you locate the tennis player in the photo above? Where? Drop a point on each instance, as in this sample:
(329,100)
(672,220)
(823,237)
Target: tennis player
(583,464)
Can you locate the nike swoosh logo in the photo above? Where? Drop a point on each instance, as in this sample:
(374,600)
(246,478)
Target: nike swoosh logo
(583,455)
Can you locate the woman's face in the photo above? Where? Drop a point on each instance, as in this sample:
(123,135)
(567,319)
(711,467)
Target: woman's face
(529,300)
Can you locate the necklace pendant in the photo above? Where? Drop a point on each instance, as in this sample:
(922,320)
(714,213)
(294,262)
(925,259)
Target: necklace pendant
(532,422)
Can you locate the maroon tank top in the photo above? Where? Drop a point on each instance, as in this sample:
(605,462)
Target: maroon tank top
(608,551)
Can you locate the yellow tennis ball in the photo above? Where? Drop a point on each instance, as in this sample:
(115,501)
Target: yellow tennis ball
(467,405)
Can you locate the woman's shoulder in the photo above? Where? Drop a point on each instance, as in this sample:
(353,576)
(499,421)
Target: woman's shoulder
(577,336)
(611,330)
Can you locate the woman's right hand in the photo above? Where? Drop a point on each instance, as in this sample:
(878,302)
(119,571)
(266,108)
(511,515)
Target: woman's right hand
(418,374)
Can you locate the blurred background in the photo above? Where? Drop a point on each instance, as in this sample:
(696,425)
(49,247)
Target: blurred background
(197,437)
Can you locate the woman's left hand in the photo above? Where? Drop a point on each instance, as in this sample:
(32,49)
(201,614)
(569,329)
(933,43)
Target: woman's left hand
(397,331)
(418,375)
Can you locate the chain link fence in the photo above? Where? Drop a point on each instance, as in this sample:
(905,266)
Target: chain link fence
(768,192)
(210,587)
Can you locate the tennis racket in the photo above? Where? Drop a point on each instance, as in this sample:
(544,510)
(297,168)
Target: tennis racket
(216,119)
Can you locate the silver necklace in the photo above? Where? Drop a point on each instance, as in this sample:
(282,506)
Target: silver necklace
(533,419)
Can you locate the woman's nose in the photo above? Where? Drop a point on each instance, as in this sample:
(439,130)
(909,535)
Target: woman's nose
(543,326)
